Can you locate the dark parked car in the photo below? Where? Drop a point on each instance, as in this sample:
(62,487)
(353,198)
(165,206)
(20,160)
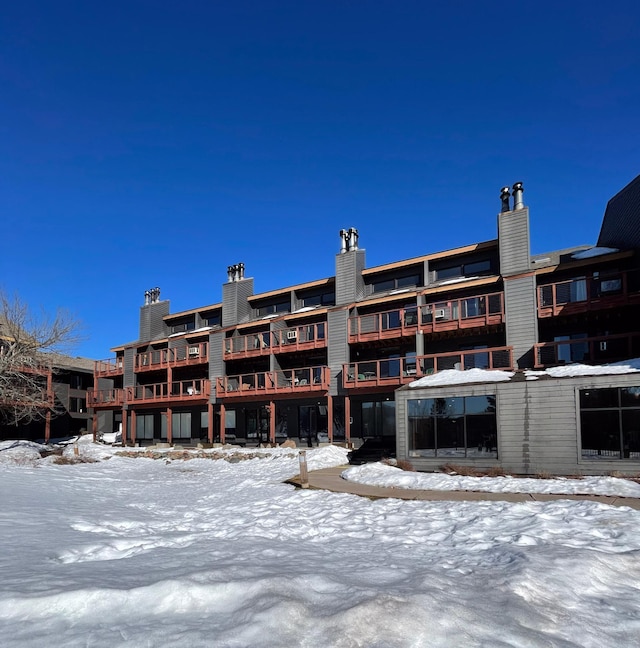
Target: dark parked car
(373,450)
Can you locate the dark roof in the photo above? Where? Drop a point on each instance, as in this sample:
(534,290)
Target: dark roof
(621,222)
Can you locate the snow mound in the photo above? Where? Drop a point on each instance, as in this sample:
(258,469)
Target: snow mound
(455,377)
(20,453)
(572,370)
(378,474)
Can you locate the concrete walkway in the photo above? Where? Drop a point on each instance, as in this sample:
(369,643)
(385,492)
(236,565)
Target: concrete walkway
(330,479)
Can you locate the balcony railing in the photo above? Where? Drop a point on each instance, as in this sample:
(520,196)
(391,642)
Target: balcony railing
(298,338)
(191,354)
(582,294)
(108,367)
(282,381)
(183,390)
(398,371)
(446,315)
(105,397)
(594,350)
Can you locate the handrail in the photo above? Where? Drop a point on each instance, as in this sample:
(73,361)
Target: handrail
(158,358)
(108,366)
(197,388)
(279,381)
(588,350)
(370,373)
(266,342)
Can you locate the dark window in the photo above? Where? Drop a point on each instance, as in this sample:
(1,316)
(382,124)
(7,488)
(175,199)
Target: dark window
(181,327)
(463,270)
(144,426)
(610,423)
(319,299)
(462,426)
(270,309)
(212,320)
(393,283)
(78,405)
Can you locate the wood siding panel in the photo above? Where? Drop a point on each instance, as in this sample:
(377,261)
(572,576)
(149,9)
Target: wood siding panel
(337,346)
(513,233)
(521,321)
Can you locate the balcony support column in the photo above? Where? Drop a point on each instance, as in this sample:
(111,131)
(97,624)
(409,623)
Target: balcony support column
(94,424)
(210,422)
(124,426)
(133,427)
(330,417)
(272,422)
(222,421)
(169,425)
(347,419)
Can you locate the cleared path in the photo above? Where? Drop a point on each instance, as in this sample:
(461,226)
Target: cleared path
(330,479)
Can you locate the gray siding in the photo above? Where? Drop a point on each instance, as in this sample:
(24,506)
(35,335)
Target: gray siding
(349,281)
(521,319)
(538,425)
(152,326)
(216,360)
(513,238)
(235,304)
(337,346)
(621,222)
(129,378)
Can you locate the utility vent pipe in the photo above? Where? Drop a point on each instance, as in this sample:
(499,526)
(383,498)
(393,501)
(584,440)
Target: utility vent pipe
(518,190)
(151,296)
(235,272)
(504,197)
(348,240)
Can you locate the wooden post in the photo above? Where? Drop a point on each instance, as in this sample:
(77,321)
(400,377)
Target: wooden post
(124,427)
(272,422)
(169,424)
(222,422)
(304,474)
(330,417)
(210,422)
(347,420)
(94,425)
(133,427)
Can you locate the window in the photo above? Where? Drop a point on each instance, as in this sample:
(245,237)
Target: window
(212,320)
(189,325)
(144,426)
(319,299)
(78,405)
(462,426)
(610,423)
(270,309)
(394,283)
(469,269)
(181,425)
(378,418)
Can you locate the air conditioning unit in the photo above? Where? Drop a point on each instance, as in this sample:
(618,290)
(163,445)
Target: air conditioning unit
(194,351)
(438,313)
(292,335)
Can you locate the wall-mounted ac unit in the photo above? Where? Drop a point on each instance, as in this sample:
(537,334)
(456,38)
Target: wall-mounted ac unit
(438,313)
(292,335)
(194,351)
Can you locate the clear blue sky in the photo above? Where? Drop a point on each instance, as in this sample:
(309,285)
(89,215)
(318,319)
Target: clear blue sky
(155,143)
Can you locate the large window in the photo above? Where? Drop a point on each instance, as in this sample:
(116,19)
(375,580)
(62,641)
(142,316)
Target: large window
(610,423)
(469,269)
(462,426)
(144,426)
(319,299)
(378,418)
(270,309)
(395,283)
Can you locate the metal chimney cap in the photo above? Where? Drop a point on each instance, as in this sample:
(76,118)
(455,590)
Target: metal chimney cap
(504,191)
(518,186)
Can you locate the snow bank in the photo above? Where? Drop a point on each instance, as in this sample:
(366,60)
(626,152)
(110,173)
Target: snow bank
(455,377)
(572,370)
(378,474)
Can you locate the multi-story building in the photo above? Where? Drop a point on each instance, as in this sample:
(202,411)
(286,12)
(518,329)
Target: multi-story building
(324,360)
(65,412)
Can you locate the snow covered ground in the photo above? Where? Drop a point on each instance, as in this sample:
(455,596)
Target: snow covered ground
(142,552)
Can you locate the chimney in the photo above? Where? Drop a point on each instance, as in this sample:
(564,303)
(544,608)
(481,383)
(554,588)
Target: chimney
(343,241)
(230,273)
(147,297)
(504,197)
(518,189)
(241,270)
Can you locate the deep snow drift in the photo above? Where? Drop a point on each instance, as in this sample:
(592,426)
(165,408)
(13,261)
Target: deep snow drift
(141,552)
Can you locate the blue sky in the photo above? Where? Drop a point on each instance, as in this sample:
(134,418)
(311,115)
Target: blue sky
(155,143)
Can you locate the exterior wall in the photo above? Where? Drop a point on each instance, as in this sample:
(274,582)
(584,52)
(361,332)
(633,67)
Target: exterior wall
(152,326)
(235,305)
(349,280)
(216,359)
(521,319)
(129,377)
(338,346)
(513,239)
(538,425)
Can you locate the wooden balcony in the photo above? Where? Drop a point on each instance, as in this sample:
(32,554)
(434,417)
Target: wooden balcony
(594,350)
(399,371)
(105,398)
(105,368)
(183,391)
(583,294)
(192,354)
(446,315)
(284,382)
(298,338)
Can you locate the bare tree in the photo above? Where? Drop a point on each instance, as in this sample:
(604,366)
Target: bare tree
(29,347)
